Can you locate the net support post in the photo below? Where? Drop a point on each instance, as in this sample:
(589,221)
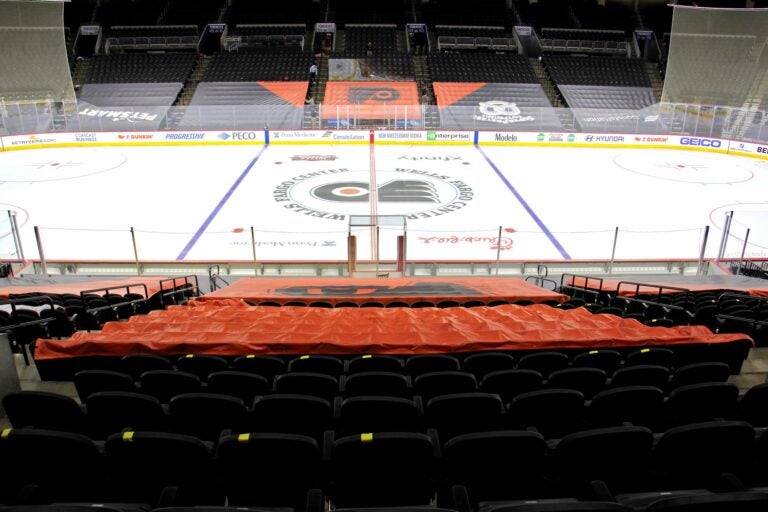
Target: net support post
(613,249)
(15,234)
(498,251)
(135,251)
(253,250)
(705,237)
(39,240)
(743,251)
(726,234)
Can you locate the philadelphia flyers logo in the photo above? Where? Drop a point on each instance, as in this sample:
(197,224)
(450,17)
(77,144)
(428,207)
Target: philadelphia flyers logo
(373,94)
(412,191)
(438,289)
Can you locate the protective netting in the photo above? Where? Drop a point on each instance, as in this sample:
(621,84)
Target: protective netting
(33,59)
(718,57)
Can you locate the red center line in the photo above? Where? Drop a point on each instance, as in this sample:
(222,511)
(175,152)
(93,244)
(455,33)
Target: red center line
(374,200)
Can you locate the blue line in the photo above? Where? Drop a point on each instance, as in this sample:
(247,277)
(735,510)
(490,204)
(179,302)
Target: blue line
(525,205)
(218,207)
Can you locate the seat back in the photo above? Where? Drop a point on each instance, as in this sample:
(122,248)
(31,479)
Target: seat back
(553,412)
(359,414)
(64,466)
(110,412)
(376,383)
(495,466)
(619,456)
(696,455)
(142,464)
(165,384)
(88,382)
(429,385)
(266,366)
(383,469)
(269,469)
(206,415)
(201,365)
(464,413)
(243,385)
(483,363)
(510,383)
(292,413)
(44,410)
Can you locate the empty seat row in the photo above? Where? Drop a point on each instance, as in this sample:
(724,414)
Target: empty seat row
(273,40)
(508,383)
(583,46)
(486,67)
(459,31)
(447,43)
(146,68)
(255,66)
(583,34)
(489,13)
(552,411)
(152,30)
(598,71)
(381,468)
(479,364)
(155,42)
(285,30)
(381,38)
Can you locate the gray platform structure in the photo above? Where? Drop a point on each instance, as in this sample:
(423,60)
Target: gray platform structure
(239,105)
(501,106)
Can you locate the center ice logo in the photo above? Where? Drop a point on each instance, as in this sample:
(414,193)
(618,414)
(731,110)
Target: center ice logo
(333,194)
(414,191)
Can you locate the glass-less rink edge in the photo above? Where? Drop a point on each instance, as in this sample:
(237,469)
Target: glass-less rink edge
(460,203)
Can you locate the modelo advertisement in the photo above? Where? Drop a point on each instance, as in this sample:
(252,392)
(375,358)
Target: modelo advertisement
(505,138)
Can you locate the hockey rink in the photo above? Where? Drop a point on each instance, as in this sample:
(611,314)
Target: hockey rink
(295,202)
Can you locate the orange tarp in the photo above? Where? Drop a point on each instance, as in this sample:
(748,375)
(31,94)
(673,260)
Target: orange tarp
(448,93)
(403,289)
(292,92)
(371,100)
(230,327)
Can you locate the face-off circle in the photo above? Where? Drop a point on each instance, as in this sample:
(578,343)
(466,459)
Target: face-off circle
(397,192)
(41,166)
(684,167)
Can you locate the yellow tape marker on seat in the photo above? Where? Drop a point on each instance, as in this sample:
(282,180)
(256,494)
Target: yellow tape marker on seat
(367,356)
(189,356)
(304,357)
(128,437)
(243,438)
(593,352)
(6,432)
(366,438)
(250,356)
(643,350)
